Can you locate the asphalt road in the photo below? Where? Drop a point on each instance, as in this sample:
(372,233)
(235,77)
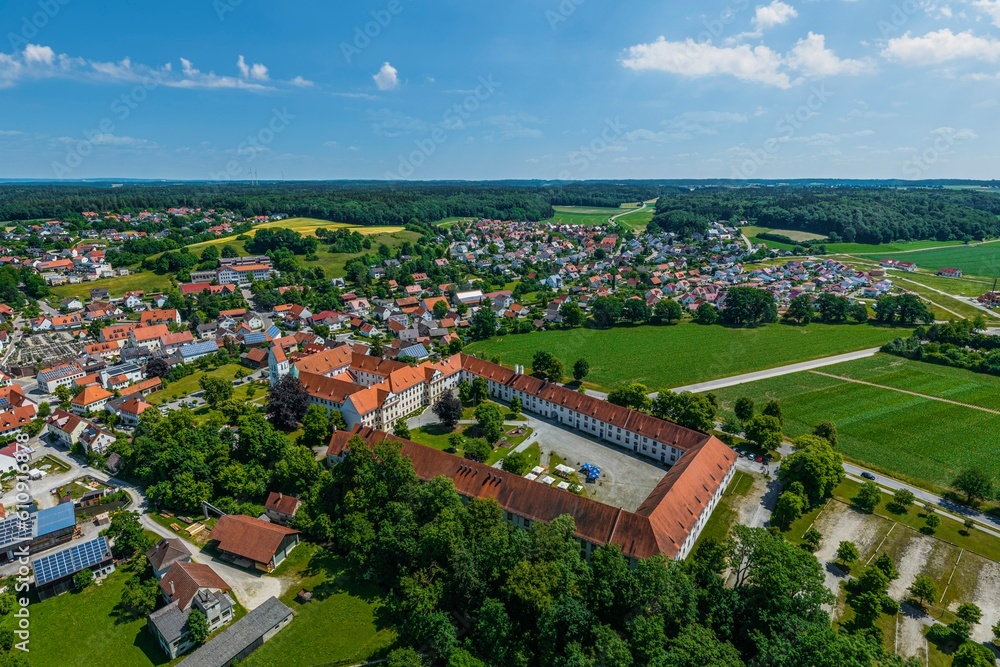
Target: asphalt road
(711,385)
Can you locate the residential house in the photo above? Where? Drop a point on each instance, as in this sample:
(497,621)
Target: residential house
(259,543)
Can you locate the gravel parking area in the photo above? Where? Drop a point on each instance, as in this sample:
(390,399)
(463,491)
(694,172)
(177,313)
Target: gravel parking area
(626,480)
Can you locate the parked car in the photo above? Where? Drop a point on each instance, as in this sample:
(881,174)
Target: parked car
(868,475)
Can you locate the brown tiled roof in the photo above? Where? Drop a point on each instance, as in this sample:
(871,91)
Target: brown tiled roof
(166,551)
(151,332)
(187,578)
(277,502)
(660,525)
(248,537)
(150,383)
(257,354)
(375,365)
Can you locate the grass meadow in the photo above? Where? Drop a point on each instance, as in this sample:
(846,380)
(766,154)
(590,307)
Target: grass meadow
(674,356)
(976,260)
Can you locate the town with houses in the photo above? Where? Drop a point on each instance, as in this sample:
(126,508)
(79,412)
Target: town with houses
(391,350)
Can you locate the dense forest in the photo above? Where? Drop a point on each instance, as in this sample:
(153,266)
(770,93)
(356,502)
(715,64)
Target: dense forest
(362,203)
(855,214)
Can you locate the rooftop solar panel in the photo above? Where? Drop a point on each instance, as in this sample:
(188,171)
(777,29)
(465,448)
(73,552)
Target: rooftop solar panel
(70,561)
(14,530)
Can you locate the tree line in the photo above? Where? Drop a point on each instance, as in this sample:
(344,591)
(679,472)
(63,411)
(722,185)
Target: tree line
(863,215)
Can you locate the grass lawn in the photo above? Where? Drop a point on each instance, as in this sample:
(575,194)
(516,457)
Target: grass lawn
(977,260)
(636,221)
(333,263)
(674,356)
(436,435)
(189,384)
(910,437)
(146,281)
(343,624)
(724,515)
(82,629)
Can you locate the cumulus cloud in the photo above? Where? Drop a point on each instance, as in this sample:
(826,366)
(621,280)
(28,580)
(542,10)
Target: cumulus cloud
(387,78)
(257,71)
(774,14)
(941,46)
(809,57)
(34,53)
(697,59)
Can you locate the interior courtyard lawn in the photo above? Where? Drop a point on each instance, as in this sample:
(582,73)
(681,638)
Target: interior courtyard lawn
(909,437)
(343,624)
(63,630)
(674,356)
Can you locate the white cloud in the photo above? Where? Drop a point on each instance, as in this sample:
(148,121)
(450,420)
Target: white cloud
(387,78)
(991,8)
(811,57)
(33,53)
(697,59)
(941,46)
(257,71)
(41,62)
(759,64)
(774,14)
(301,82)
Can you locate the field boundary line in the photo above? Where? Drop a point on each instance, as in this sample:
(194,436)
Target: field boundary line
(907,391)
(891,528)
(953,570)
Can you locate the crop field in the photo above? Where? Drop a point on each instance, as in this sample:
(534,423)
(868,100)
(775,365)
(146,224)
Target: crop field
(308,226)
(977,260)
(582,215)
(912,437)
(674,356)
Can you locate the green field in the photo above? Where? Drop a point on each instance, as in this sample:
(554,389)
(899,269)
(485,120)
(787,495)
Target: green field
(880,250)
(147,281)
(341,625)
(686,353)
(333,263)
(594,216)
(976,260)
(82,629)
(189,384)
(911,437)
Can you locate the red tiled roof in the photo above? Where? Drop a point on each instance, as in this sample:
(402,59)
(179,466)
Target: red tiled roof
(249,538)
(277,502)
(660,525)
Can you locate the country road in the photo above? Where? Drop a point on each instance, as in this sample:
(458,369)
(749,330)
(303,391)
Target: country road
(711,385)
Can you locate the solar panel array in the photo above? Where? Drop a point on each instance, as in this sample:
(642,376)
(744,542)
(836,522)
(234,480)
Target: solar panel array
(70,561)
(13,530)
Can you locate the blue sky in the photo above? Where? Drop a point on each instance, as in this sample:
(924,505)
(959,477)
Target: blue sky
(575,89)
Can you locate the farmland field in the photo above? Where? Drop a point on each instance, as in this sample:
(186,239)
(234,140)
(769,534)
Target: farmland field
(912,436)
(308,226)
(673,356)
(588,215)
(977,260)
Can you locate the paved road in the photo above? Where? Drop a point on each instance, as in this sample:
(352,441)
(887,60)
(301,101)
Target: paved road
(777,372)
